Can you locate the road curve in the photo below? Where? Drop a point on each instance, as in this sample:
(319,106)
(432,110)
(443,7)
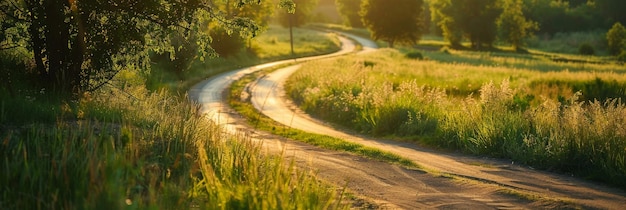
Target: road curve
(268,96)
(384,185)
(208,93)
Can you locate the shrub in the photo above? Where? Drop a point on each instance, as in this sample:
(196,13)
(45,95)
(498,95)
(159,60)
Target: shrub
(616,37)
(415,55)
(622,56)
(586,49)
(226,44)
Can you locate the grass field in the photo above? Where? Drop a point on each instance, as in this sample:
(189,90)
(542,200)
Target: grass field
(566,117)
(127,147)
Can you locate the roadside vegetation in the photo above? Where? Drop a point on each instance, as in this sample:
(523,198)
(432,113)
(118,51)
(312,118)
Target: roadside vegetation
(549,115)
(257,120)
(138,143)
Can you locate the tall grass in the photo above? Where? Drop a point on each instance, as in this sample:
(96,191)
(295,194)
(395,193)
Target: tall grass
(458,106)
(261,122)
(125,147)
(146,151)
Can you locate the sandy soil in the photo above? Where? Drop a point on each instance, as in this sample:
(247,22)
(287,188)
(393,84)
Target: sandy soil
(446,180)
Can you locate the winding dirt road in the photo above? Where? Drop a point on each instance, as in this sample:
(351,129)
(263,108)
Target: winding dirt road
(453,181)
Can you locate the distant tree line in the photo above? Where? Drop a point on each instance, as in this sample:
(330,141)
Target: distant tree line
(484,21)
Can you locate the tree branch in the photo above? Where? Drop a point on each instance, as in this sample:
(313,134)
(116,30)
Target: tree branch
(8,46)
(11,15)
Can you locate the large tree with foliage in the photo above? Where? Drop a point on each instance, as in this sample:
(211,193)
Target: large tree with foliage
(616,38)
(399,21)
(302,13)
(229,42)
(349,10)
(79,45)
(440,11)
(613,10)
(473,19)
(514,27)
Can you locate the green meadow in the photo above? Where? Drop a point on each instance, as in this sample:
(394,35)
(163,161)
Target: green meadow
(561,116)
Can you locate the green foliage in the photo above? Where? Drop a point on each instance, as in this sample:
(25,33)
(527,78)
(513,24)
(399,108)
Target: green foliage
(125,147)
(399,21)
(440,10)
(475,20)
(533,117)
(612,10)
(301,14)
(586,49)
(622,56)
(569,42)
(349,10)
(616,38)
(224,43)
(514,27)
(79,46)
(414,55)
(564,17)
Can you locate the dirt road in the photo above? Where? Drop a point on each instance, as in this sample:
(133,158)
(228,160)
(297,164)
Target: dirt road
(453,181)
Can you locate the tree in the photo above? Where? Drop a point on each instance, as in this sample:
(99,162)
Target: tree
(393,22)
(296,14)
(349,10)
(514,27)
(440,15)
(616,38)
(78,46)
(301,15)
(474,19)
(227,42)
(613,10)
(564,16)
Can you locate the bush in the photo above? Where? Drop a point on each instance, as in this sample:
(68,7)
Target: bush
(622,56)
(415,55)
(616,37)
(445,50)
(586,49)
(225,44)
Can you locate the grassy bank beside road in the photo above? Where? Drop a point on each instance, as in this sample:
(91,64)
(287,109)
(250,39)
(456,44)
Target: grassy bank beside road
(564,120)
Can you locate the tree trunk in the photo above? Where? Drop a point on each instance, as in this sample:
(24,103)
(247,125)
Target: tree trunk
(56,45)
(79,48)
(63,69)
(37,42)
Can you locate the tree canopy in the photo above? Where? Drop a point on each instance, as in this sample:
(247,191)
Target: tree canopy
(302,12)
(399,21)
(514,27)
(228,42)
(616,38)
(79,45)
(349,10)
(472,19)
